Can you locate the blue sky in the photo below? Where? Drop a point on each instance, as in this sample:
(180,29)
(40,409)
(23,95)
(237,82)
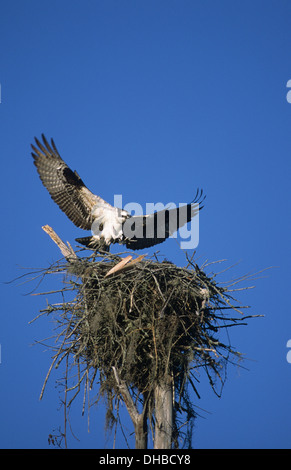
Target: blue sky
(151,100)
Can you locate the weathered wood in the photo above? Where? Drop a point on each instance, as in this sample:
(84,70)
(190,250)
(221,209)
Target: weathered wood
(163,413)
(139,419)
(67,251)
(141,431)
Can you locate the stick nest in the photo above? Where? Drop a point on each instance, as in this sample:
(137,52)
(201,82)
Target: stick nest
(152,320)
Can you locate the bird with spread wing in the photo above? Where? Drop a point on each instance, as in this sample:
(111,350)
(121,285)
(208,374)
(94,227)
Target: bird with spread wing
(88,211)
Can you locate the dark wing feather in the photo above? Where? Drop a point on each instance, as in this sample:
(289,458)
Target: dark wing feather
(65,186)
(152,229)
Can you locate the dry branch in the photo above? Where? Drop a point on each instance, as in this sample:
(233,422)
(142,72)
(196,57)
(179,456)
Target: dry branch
(67,251)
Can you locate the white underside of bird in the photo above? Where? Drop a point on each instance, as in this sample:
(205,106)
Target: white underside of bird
(108,223)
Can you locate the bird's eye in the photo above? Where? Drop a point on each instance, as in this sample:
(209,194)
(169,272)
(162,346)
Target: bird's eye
(101,227)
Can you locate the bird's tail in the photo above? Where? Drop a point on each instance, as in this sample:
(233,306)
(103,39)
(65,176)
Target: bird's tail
(84,240)
(93,244)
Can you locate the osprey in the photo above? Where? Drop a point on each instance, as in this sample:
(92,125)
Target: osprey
(88,211)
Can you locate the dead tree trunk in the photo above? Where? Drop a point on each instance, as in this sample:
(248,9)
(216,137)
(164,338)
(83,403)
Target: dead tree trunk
(141,431)
(163,414)
(139,419)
